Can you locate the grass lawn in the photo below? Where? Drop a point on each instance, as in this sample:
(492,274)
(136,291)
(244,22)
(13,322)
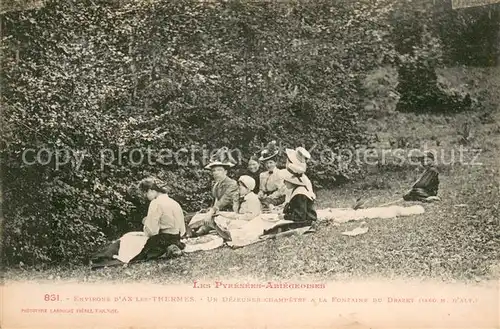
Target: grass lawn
(455,239)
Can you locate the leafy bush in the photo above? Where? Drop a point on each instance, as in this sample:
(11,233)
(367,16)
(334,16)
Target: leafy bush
(470,36)
(428,34)
(89,76)
(106,80)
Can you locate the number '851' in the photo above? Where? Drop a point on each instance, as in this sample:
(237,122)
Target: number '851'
(51,297)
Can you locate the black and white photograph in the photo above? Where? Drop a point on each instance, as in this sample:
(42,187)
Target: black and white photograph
(250,163)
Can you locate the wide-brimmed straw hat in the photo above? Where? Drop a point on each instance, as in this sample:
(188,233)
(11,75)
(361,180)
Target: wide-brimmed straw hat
(299,155)
(221,158)
(247,181)
(297,160)
(269,152)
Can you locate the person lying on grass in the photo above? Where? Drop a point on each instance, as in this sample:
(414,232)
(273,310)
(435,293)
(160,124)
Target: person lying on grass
(426,187)
(224,192)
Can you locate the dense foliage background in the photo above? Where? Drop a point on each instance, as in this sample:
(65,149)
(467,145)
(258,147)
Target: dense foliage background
(89,76)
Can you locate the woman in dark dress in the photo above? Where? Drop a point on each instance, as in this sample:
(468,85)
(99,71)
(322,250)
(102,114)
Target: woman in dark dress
(301,209)
(253,170)
(426,187)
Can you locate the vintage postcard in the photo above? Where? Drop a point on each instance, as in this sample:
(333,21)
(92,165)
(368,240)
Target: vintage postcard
(250,164)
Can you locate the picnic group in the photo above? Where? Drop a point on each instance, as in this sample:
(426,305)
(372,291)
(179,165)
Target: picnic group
(264,201)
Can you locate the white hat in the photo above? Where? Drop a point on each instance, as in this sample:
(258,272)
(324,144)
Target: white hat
(297,160)
(303,154)
(300,154)
(248,181)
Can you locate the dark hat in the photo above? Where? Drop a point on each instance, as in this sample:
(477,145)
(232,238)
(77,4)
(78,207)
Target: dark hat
(429,155)
(221,158)
(152,183)
(269,152)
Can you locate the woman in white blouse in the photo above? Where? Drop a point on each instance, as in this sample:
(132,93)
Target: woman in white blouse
(163,228)
(164,224)
(272,187)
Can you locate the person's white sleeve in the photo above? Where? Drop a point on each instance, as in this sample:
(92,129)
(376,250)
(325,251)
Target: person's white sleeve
(152,222)
(179,217)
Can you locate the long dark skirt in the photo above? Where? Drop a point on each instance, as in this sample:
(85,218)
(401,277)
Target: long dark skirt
(155,247)
(288,227)
(418,194)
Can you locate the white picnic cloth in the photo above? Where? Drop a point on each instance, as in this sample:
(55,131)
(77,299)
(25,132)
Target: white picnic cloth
(247,232)
(229,224)
(244,233)
(206,242)
(342,215)
(197,220)
(131,245)
(243,243)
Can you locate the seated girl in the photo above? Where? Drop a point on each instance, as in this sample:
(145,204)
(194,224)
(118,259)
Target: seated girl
(249,208)
(253,170)
(249,204)
(164,224)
